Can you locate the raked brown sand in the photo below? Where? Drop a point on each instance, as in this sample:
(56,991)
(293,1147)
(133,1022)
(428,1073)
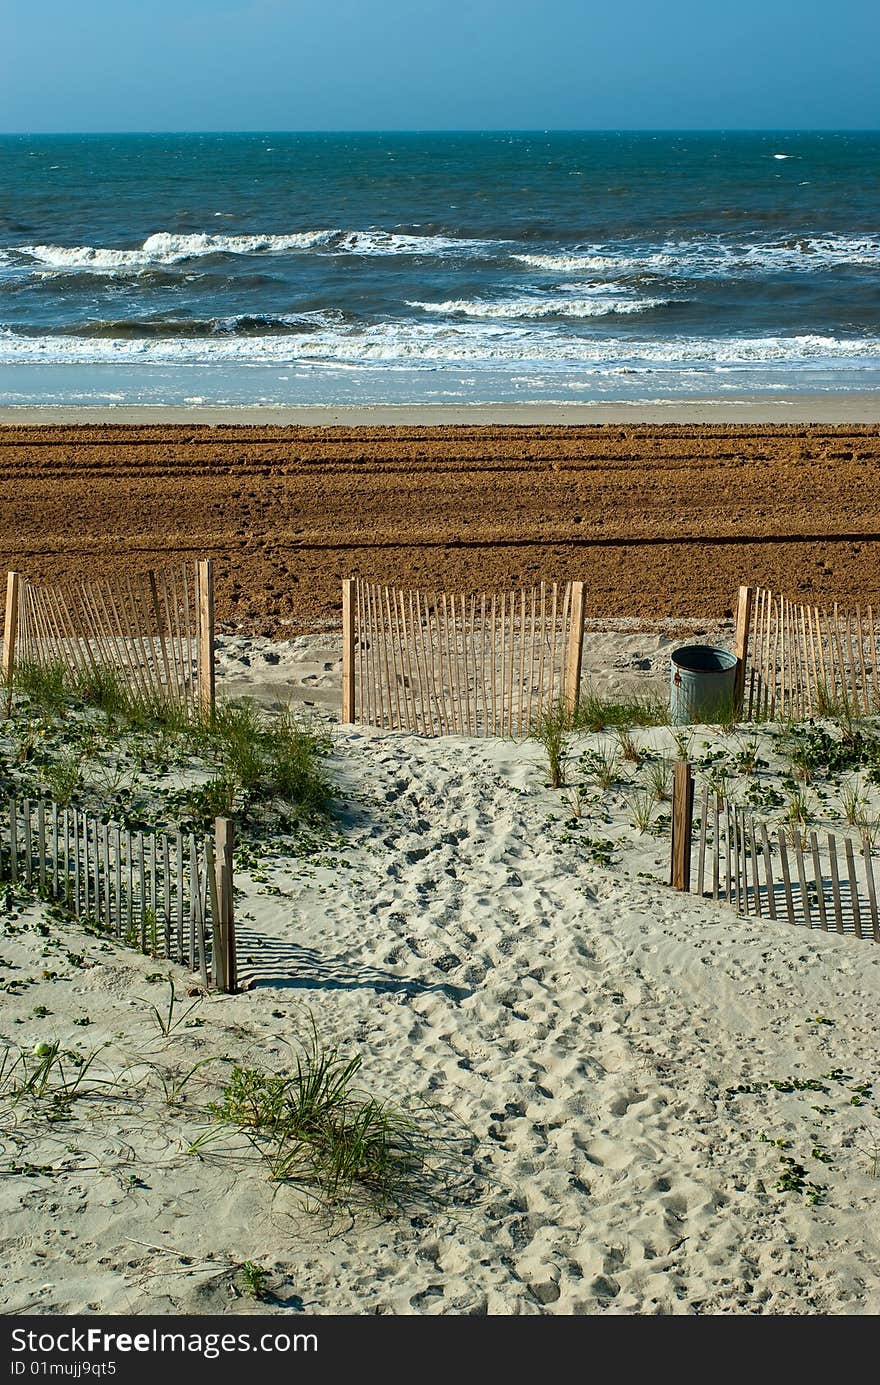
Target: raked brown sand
(657,519)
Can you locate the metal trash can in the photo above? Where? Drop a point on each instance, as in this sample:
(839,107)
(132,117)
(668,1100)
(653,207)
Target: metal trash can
(702,684)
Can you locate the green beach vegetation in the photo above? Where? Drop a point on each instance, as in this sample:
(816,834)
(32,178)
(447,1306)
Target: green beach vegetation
(146,763)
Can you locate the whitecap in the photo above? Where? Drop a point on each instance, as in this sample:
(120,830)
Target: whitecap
(170,248)
(378,242)
(540,307)
(165,248)
(712,256)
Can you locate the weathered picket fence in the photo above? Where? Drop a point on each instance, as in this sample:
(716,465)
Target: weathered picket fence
(799,660)
(813,879)
(447,663)
(166,894)
(154,630)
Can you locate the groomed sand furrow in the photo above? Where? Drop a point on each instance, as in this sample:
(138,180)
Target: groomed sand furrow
(656,519)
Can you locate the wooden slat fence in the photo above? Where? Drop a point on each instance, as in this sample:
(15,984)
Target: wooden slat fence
(448,663)
(803,876)
(154,630)
(802,660)
(159,892)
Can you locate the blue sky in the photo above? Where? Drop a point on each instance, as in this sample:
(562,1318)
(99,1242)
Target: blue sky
(84,65)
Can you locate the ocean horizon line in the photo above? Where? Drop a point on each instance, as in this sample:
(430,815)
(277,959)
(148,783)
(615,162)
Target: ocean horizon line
(462,130)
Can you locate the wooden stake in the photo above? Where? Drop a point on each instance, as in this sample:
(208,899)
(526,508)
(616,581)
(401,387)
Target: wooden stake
(741,645)
(13,841)
(768,871)
(207,681)
(27,841)
(853,886)
(418,635)
(802,881)
(105,860)
(835,883)
(786,876)
(223,836)
(733,819)
(160,633)
(411,677)
(492,669)
(10,627)
(348,648)
(682,825)
(872,889)
(142,891)
(866,694)
(41,839)
(77,873)
(575,656)
(756,883)
(201,903)
(701,859)
(874,678)
(181,942)
(543,700)
(774,663)
(522,661)
(556,685)
(820,884)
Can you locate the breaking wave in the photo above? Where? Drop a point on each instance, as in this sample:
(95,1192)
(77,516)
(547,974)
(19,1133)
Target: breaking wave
(714,256)
(432,344)
(541,307)
(165,248)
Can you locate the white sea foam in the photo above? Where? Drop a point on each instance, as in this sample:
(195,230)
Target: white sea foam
(397,243)
(811,251)
(483,344)
(711,256)
(540,307)
(576,262)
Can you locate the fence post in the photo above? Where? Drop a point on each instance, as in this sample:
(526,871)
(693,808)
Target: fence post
(741,645)
(227,971)
(348,688)
(10,627)
(575,647)
(682,826)
(206,638)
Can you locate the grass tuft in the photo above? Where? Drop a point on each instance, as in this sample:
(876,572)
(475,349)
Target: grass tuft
(641,804)
(551,728)
(597,713)
(313,1127)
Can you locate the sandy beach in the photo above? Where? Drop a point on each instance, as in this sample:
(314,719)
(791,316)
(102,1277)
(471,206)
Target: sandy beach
(658,520)
(620,1078)
(598,1053)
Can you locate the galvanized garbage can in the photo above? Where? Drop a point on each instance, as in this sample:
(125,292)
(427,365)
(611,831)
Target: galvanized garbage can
(702,686)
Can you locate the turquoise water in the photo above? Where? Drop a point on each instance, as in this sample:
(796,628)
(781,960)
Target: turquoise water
(320,269)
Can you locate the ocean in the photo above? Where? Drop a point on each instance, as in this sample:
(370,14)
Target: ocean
(437,268)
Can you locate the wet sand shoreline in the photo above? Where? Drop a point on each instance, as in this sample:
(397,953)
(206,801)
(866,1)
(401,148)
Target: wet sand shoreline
(819,407)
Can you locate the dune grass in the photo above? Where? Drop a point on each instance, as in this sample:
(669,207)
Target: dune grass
(313,1127)
(551,727)
(597,713)
(77,727)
